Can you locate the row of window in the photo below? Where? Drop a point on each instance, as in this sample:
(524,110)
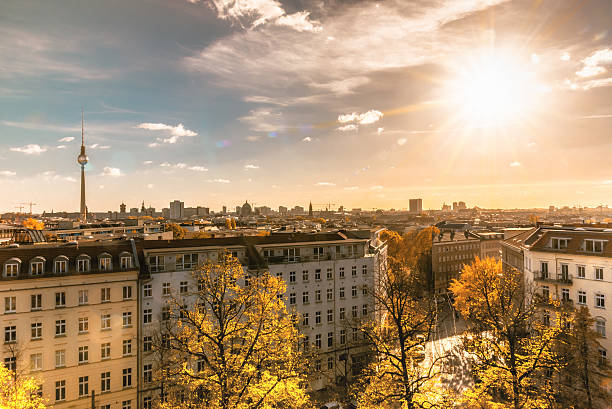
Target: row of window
(588,245)
(581,270)
(329,274)
(184,261)
(105,386)
(329,295)
(36,300)
(10,332)
(330,314)
(458,247)
(13,267)
(318,343)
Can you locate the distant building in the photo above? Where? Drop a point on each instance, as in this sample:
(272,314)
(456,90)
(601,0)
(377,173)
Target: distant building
(282,209)
(177,210)
(165,213)
(122,208)
(224,209)
(449,253)
(446,207)
(246,209)
(416,205)
(238,210)
(459,206)
(134,211)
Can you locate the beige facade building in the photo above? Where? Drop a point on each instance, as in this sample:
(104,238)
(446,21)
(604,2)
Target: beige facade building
(69,319)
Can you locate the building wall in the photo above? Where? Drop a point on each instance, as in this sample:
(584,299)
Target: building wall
(448,258)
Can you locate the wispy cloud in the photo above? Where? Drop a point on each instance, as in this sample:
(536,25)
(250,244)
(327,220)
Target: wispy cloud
(31,149)
(351,188)
(219,181)
(7,173)
(113,172)
(365,118)
(250,167)
(596,63)
(198,168)
(51,175)
(180,165)
(307,139)
(264,120)
(402,141)
(377,187)
(325,184)
(346,128)
(176,132)
(515,164)
(66,139)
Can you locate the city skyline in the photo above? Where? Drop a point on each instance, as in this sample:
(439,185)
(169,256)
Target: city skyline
(360,104)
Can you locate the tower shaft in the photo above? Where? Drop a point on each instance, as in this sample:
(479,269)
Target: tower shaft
(83,205)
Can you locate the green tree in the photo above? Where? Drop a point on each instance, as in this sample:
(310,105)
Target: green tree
(238,348)
(18,392)
(511,340)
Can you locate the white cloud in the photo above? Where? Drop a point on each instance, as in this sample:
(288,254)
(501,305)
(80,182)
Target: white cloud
(515,164)
(531,144)
(7,173)
(346,128)
(165,165)
(147,162)
(351,188)
(113,172)
(70,179)
(377,187)
(98,146)
(219,180)
(250,167)
(101,187)
(264,120)
(596,63)
(402,141)
(176,132)
(299,21)
(66,139)
(379,131)
(60,147)
(150,186)
(30,149)
(565,56)
(325,184)
(51,175)
(198,168)
(307,139)
(355,119)
(180,165)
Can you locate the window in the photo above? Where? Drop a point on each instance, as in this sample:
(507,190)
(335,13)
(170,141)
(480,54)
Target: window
(341,293)
(60,390)
(105,350)
(292,299)
(127,292)
(60,300)
(127,347)
(354,291)
(156,263)
(146,403)
(126,262)
(292,276)
(305,297)
(36,302)
(342,336)
(166,289)
(10,363)
(11,269)
(355,334)
(105,263)
(147,316)
(126,404)
(600,300)
(10,305)
(105,382)
(342,313)
(364,269)
(364,310)
(330,362)
(318,365)
(581,271)
(36,362)
(603,357)
(354,311)
(559,244)
(565,295)
(330,274)
(105,322)
(330,294)
(582,298)
(318,295)
(127,377)
(544,269)
(364,291)
(330,315)
(318,274)
(593,246)
(60,328)
(354,271)
(147,290)
(341,272)
(105,295)
(83,265)
(183,287)
(305,319)
(305,276)
(598,273)
(318,317)
(61,266)
(83,325)
(83,386)
(60,358)
(545,292)
(147,344)
(83,297)
(600,327)
(148,373)
(318,341)
(127,319)
(330,339)
(37,268)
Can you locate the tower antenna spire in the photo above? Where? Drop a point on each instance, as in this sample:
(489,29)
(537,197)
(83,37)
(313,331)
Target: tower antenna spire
(82,128)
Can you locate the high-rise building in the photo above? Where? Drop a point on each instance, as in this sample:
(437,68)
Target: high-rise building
(416,205)
(224,209)
(122,208)
(82,160)
(177,210)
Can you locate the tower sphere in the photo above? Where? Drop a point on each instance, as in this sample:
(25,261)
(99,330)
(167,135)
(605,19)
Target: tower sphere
(82,159)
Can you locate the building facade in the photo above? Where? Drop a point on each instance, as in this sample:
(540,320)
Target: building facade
(70,321)
(449,252)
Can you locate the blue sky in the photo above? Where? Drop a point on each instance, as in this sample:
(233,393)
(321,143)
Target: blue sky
(214,102)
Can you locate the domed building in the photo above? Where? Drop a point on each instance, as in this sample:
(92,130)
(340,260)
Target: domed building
(246,209)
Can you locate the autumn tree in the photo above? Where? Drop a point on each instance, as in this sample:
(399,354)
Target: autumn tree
(33,224)
(18,392)
(200,235)
(178,233)
(233,224)
(400,376)
(580,382)
(511,340)
(238,346)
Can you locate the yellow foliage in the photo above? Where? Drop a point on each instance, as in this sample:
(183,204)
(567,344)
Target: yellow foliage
(33,224)
(178,232)
(18,392)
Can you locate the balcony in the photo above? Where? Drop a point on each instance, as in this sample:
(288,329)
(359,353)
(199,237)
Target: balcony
(553,278)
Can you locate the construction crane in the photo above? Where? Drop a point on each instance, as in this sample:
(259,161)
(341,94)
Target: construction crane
(29,204)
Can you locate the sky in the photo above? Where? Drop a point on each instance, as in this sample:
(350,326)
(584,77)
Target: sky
(499,103)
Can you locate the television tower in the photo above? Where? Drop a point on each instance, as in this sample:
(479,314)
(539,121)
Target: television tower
(82,160)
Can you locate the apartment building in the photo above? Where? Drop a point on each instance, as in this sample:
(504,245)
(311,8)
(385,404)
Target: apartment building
(329,279)
(449,253)
(572,265)
(69,319)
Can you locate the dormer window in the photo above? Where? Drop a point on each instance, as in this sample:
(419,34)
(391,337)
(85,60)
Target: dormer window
(126,261)
(83,264)
(105,262)
(60,265)
(37,266)
(11,268)
(593,246)
(559,244)
(156,263)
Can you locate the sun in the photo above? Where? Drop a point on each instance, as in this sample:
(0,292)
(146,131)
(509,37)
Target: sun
(493,88)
